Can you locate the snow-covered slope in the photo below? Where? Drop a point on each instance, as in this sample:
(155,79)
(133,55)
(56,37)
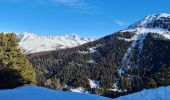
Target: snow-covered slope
(156,23)
(31,43)
(161,20)
(38,93)
(162,93)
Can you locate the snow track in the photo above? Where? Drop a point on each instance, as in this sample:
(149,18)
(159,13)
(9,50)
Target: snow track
(138,41)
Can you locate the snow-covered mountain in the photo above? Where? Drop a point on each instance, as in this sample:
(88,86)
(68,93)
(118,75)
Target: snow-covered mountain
(39,93)
(157,24)
(161,93)
(126,61)
(31,43)
(161,20)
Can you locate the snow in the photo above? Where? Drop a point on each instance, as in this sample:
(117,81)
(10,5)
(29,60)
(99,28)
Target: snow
(162,93)
(141,30)
(139,38)
(83,52)
(31,43)
(140,47)
(92,49)
(127,56)
(115,88)
(145,25)
(163,32)
(129,53)
(78,90)
(94,84)
(92,61)
(150,19)
(164,15)
(125,39)
(39,93)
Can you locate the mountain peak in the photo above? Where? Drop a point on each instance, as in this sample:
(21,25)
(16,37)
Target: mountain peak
(161,21)
(162,15)
(31,43)
(26,35)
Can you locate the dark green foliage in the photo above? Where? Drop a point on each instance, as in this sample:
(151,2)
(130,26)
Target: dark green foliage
(114,94)
(14,67)
(162,77)
(9,78)
(73,67)
(161,22)
(123,82)
(151,83)
(97,91)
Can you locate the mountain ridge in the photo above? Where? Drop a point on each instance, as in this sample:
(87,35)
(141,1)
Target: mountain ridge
(123,62)
(31,43)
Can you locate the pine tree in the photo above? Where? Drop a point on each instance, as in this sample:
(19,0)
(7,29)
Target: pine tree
(14,63)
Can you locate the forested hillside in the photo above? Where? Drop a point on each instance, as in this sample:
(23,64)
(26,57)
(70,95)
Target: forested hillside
(123,62)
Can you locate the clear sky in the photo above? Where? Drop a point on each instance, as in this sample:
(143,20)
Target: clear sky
(87,18)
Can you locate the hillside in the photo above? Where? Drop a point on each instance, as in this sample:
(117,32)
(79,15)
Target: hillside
(121,63)
(38,93)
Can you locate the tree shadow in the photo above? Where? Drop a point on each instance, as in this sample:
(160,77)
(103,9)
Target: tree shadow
(9,78)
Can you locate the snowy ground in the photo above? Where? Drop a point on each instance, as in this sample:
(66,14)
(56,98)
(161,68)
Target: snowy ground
(162,93)
(38,93)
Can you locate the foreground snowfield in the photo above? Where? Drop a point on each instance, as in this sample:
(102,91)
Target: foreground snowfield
(162,93)
(39,93)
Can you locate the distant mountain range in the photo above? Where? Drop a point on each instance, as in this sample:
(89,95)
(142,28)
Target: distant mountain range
(31,43)
(121,63)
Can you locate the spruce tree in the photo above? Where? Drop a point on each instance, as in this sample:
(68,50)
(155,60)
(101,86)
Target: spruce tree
(15,68)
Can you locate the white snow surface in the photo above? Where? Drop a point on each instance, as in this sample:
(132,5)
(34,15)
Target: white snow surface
(92,49)
(92,61)
(162,93)
(31,43)
(150,19)
(78,90)
(83,52)
(142,26)
(39,93)
(94,84)
(140,36)
(162,32)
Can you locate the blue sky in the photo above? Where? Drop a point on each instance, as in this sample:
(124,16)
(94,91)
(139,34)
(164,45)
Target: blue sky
(87,18)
